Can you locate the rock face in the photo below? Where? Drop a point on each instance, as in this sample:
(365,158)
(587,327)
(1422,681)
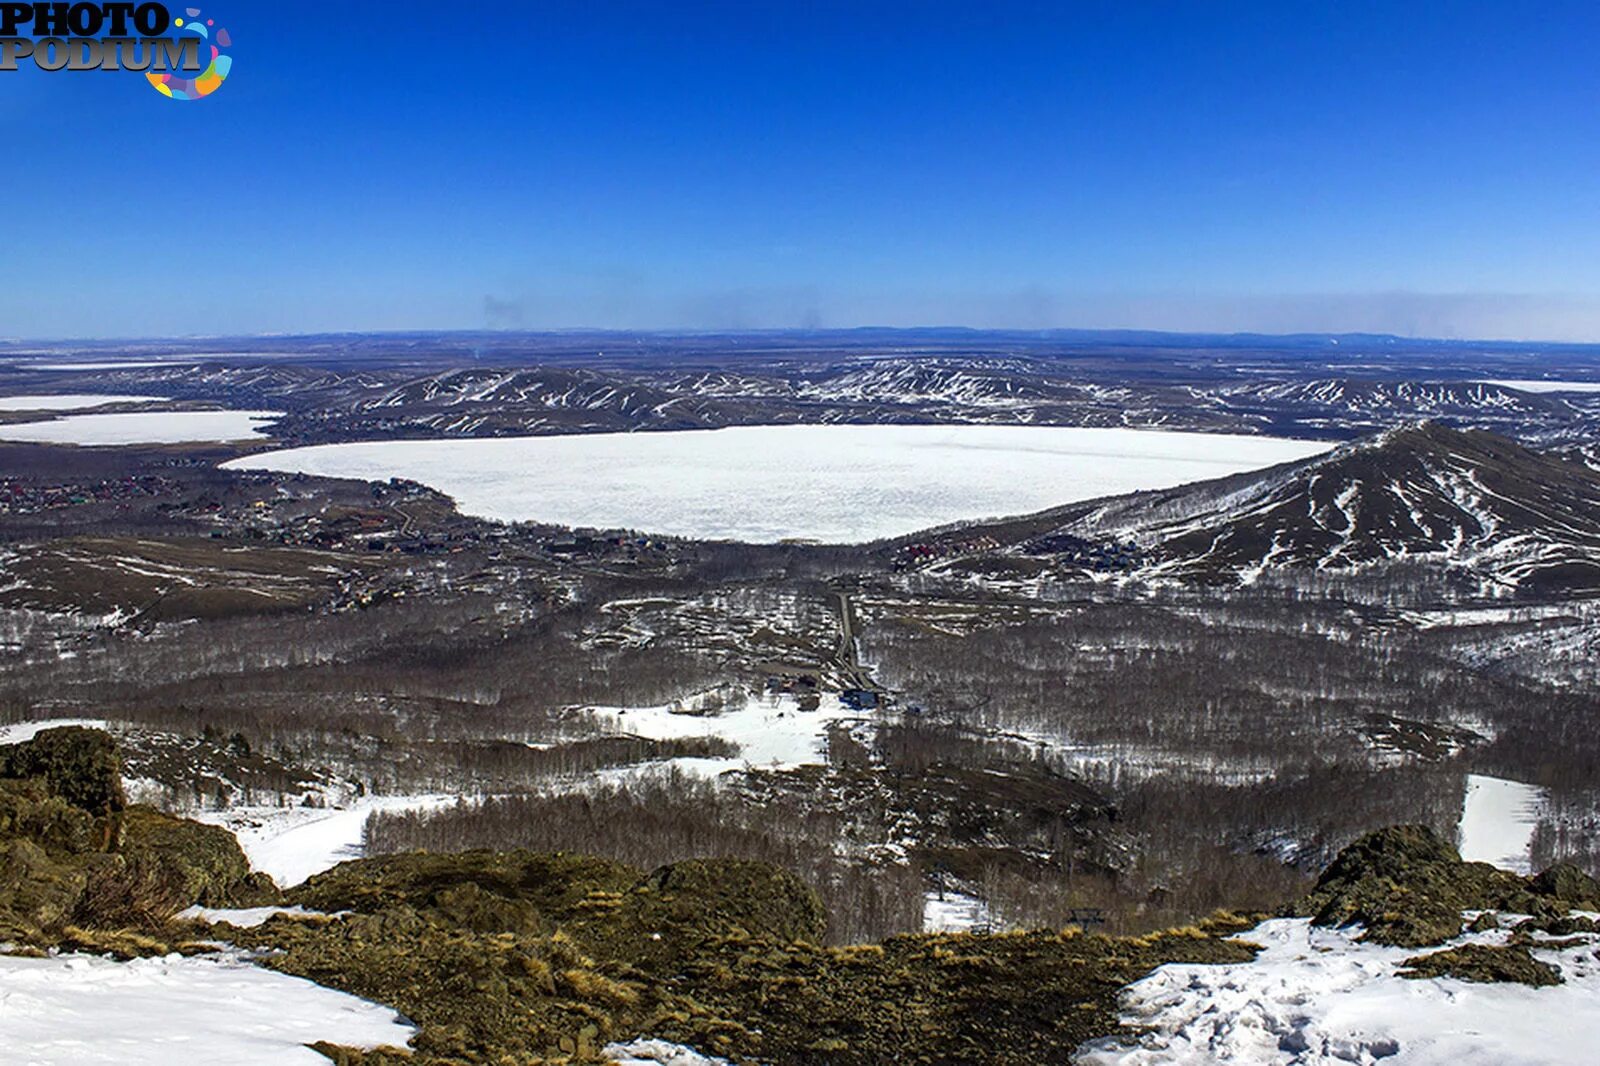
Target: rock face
(74,858)
(1408,888)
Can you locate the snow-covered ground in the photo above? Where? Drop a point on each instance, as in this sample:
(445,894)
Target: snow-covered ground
(68,401)
(22,731)
(772,731)
(78,1010)
(1315,997)
(1498,819)
(839,484)
(143,427)
(292,843)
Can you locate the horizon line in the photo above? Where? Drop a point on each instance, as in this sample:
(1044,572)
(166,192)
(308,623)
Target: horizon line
(752,331)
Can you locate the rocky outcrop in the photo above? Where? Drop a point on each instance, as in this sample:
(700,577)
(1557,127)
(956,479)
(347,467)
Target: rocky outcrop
(75,859)
(1408,888)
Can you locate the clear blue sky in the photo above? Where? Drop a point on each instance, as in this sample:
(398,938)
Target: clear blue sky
(1416,168)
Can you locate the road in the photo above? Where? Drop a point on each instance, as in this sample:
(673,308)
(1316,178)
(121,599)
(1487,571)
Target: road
(845,658)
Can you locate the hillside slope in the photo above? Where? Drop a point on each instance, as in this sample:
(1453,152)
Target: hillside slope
(1466,500)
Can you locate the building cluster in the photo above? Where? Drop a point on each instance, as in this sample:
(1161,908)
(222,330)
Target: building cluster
(594,543)
(21,496)
(1100,556)
(911,556)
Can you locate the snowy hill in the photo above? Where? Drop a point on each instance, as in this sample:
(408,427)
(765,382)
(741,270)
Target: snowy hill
(1468,500)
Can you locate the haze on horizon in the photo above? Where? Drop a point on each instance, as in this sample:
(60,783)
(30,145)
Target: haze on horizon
(735,166)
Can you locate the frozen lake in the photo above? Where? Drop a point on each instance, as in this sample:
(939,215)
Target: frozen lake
(68,401)
(1541,385)
(835,484)
(143,427)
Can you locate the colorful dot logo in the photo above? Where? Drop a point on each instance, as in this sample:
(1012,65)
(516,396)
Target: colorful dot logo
(169,84)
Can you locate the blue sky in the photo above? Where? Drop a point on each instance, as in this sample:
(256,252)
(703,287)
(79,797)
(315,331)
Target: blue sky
(1422,169)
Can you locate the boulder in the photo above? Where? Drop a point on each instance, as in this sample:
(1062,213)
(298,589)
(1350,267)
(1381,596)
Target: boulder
(1568,884)
(79,765)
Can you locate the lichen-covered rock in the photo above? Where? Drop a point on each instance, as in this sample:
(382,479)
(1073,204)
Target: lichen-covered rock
(479,997)
(1570,885)
(666,916)
(30,811)
(38,891)
(1408,888)
(74,859)
(79,765)
(209,866)
(610,908)
(1008,1000)
(480,888)
(1486,964)
(757,897)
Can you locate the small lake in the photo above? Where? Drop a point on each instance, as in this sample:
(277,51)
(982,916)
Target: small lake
(69,401)
(143,427)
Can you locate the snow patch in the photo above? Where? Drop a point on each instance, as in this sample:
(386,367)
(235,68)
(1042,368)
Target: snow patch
(658,1053)
(954,913)
(1540,385)
(69,401)
(246,917)
(1315,997)
(79,1010)
(772,731)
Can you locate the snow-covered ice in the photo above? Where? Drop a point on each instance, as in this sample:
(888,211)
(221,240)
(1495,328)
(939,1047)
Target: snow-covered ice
(658,1053)
(1540,385)
(1498,820)
(125,364)
(833,483)
(291,843)
(143,427)
(1315,997)
(79,1010)
(68,401)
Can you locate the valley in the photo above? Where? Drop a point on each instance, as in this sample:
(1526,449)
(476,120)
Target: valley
(1171,679)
